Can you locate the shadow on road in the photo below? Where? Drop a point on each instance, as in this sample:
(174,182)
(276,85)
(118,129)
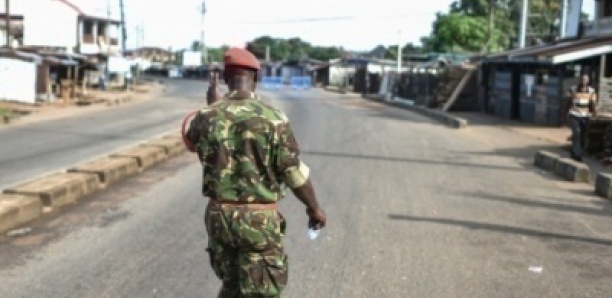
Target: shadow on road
(408,160)
(604,210)
(474,225)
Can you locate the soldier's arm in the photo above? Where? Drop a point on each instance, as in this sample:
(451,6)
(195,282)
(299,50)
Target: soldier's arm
(212,95)
(296,176)
(195,131)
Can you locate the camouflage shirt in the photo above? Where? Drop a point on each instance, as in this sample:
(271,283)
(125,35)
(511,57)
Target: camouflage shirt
(248,150)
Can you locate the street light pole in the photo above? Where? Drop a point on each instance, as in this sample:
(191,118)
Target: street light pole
(399,53)
(7,7)
(522,33)
(563,19)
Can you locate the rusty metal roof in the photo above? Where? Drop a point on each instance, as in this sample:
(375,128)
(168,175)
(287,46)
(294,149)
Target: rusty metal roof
(561,52)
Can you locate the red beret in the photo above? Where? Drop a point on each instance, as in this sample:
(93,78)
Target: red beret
(238,57)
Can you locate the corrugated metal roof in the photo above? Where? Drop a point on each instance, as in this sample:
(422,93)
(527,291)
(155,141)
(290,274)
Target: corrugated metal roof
(547,53)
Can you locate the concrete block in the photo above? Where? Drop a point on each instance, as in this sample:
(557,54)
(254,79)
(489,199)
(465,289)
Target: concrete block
(172,146)
(577,171)
(144,156)
(560,167)
(572,170)
(603,186)
(546,160)
(109,170)
(59,189)
(17,210)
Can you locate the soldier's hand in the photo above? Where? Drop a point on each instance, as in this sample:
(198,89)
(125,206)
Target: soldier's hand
(317,218)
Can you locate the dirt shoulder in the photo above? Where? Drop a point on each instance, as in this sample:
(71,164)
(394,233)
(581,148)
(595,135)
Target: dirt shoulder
(14,113)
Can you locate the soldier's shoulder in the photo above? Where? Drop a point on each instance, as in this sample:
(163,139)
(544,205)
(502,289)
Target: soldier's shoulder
(271,112)
(213,108)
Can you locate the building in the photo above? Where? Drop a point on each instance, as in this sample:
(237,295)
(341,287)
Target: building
(64,25)
(530,84)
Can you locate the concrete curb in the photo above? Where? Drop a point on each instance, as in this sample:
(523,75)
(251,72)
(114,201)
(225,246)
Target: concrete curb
(16,210)
(446,118)
(58,190)
(145,156)
(450,120)
(603,186)
(546,160)
(172,146)
(109,170)
(26,202)
(565,168)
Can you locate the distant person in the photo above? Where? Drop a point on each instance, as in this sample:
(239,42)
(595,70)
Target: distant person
(581,104)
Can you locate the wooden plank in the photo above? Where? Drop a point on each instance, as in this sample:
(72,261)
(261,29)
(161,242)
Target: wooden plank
(458,90)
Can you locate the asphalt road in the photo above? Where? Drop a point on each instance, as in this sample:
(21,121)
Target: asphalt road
(30,150)
(415,210)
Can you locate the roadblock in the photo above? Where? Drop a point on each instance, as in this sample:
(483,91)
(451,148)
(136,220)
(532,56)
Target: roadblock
(271,83)
(295,83)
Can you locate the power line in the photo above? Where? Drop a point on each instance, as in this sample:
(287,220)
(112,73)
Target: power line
(320,19)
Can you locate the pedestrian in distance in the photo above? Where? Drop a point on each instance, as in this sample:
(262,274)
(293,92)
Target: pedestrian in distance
(249,155)
(580,106)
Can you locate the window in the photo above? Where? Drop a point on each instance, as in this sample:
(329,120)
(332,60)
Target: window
(101,29)
(87,28)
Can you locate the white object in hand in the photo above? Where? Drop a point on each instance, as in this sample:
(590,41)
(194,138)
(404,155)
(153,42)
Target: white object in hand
(313,234)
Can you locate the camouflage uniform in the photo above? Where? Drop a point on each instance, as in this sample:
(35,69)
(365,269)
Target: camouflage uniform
(249,154)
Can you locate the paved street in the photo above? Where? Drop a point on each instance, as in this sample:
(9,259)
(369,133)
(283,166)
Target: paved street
(33,149)
(415,210)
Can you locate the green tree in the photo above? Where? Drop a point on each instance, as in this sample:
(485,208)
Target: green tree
(457,32)
(291,49)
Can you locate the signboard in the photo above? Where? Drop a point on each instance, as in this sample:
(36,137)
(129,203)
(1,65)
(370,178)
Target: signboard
(191,58)
(572,21)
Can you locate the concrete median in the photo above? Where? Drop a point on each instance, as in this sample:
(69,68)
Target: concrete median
(16,210)
(145,156)
(58,189)
(109,170)
(172,146)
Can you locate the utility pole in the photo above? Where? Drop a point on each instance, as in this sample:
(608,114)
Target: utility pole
(7,6)
(523,32)
(202,44)
(123,30)
(399,53)
(563,24)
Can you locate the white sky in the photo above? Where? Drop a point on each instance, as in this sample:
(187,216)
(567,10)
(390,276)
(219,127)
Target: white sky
(354,24)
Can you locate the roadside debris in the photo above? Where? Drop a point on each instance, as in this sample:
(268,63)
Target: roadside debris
(18,232)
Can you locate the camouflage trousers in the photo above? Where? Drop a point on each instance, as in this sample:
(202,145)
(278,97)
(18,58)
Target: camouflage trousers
(246,251)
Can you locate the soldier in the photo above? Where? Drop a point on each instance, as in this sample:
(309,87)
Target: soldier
(249,154)
(581,104)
